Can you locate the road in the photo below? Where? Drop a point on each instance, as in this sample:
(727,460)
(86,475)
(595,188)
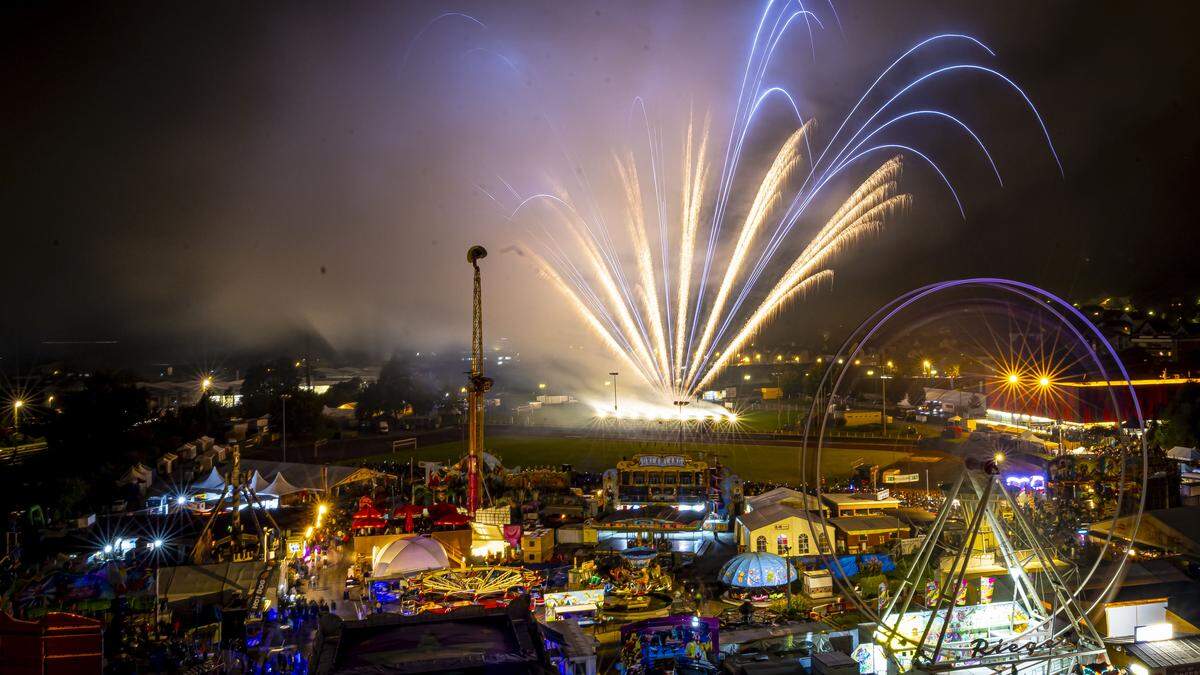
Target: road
(331,583)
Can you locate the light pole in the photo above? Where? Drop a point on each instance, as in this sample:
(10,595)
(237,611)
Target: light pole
(680,405)
(284,398)
(787,570)
(157,545)
(614,381)
(205,385)
(17,405)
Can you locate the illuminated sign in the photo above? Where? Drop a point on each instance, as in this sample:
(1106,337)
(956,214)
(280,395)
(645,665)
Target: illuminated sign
(590,599)
(902,478)
(1034,482)
(661,460)
(984,647)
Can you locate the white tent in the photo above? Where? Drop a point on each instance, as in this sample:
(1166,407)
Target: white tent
(1184,454)
(139,474)
(407,556)
(258,484)
(176,584)
(213,482)
(280,487)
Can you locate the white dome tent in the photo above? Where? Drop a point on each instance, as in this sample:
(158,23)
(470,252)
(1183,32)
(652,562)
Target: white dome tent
(407,556)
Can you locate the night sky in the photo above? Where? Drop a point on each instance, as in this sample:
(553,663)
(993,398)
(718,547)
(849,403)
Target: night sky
(192,179)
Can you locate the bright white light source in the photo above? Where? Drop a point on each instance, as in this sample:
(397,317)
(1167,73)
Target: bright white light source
(1153,632)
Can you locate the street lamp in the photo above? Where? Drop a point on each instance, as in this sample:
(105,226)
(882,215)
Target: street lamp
(284,398)
(17,405)
(156,548)
(614,374)
(680,405)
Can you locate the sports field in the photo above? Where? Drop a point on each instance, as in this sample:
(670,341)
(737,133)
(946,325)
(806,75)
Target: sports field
(779,464)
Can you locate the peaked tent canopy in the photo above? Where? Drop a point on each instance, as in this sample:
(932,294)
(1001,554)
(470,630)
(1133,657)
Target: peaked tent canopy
(313,476)
(212,482)
(280,487)
(367,515)
(1183,454)
(258,484)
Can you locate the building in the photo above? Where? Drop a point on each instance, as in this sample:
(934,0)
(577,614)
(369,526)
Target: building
(57,643)
(1171,531)
(572,651)
(505,640)
(658,525)
(660,479)
(846,504)
(1090,402)
(784,530)
(537,546)
(861,534)
(788,497)
(1180,656)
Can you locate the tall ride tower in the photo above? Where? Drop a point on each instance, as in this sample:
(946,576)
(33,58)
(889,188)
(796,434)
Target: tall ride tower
(477,386)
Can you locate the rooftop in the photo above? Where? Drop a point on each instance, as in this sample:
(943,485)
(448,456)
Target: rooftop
(773,513)
(781,495)
(866,523)
(1176,653)
(856,498)
(468,640)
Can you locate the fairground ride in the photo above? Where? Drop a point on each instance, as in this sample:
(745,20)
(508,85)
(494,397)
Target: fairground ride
(1031,613)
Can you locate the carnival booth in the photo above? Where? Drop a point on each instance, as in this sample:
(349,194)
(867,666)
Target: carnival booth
(367,517)
(679,643)
(970,625)
(409,512)
(757,577)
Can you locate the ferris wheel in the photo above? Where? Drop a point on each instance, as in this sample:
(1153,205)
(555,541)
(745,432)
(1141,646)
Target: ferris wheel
(1004,571)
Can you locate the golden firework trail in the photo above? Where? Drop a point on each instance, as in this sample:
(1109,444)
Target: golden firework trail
(679,337)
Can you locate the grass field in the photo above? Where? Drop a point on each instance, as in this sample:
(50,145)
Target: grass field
(779,464)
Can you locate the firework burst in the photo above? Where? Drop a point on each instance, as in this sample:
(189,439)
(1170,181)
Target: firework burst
(669,292)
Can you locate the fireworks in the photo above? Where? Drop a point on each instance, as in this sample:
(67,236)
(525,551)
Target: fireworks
(656,309)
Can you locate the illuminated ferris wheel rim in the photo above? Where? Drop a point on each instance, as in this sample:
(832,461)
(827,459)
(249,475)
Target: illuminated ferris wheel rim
(1082,328)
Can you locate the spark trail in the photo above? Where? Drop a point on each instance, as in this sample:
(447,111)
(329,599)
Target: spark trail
(679,339)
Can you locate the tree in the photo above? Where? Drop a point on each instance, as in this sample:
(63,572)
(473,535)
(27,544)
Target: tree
(97,432)
(303,413)
(1180,423)
(344,392)
(266,382)
(397,388)
(916,393)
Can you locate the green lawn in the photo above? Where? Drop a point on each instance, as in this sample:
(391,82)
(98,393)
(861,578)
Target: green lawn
(751,462)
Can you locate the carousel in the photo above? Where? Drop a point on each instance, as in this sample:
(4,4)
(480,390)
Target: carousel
(760,578)
(442,591)
(637,584)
